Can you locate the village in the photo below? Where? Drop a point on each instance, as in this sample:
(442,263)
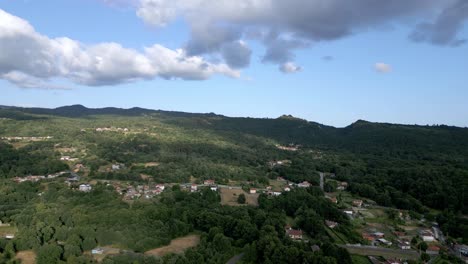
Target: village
(385,239)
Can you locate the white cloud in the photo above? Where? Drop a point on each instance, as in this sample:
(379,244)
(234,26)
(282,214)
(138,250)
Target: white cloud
(290,67)
(34,59)
(382,67)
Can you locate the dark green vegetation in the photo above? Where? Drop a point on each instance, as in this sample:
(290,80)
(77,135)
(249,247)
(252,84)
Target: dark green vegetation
(417,168)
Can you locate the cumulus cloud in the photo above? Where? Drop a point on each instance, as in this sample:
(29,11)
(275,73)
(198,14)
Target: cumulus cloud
(34,59)
(290,67)
(382,67)
(285,26)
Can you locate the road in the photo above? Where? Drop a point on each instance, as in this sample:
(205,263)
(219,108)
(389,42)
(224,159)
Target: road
(235,259)
(322,175)
(379,251)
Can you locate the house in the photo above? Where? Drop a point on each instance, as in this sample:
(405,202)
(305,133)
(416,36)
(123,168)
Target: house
(404,244)
(462,250)
(193,188)
(384,241)
(214,188)
(287,189)
(160,187)
(9,236)
(399,233)
(357,203)
(368,237)
(433,250)
(315,248)
(85,188)
(268,188)
(97,251)
(65,158)
(332,199)
(340,188)
(294,233)
(427,236)
(116,167)
(349,212)
(209,182)
(378,234)
(252,190)
(331,224)
(304,184)
(276,193)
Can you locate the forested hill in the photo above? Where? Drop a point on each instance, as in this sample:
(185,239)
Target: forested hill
(361,136)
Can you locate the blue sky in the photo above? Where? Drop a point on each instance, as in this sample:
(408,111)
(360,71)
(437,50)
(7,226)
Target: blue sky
(427,83)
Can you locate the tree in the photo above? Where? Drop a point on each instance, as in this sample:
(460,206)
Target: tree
(423,246)
(241,199)
(49,253)
(425,257)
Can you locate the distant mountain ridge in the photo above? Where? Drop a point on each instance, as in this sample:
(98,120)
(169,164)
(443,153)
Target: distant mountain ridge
(285,129)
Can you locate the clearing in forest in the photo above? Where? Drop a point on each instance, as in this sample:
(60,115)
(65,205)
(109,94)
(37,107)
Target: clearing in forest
(26,257)
(177,246)
(229,197)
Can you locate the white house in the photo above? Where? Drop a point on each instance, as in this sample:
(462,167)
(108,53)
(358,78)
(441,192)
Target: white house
(85,188)
(304,184)
(97,251)
(427,236)
(252,191)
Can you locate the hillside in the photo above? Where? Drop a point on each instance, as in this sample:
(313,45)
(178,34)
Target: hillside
(422,170)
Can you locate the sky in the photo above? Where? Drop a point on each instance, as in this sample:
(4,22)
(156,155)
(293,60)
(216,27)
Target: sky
(329,61)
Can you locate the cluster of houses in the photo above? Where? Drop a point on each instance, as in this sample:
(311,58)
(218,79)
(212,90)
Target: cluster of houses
(111,129)
(26,138)
(36,178)
(290,147)
(68,158)
(147,191)
(206,183)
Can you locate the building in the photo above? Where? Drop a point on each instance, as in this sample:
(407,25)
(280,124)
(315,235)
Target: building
(209,182)
(384,241)
(252,190)
(405,245)
(331,224)
(85,188)
(214,188)
(427,236)
(116,167)
(357,203)
(462,250)
(287,189)
(378,234)
(9,236)
(433,250)
(97,251)
(304,184)
(193,188)
(293,233)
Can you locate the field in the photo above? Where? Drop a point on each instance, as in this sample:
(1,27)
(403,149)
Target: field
(177,246)
(26,257)
(7,230)
(229,197)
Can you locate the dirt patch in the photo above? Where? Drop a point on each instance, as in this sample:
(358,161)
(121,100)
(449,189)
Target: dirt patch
(229,197)
(151,164)
(177,246)
(26,257)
